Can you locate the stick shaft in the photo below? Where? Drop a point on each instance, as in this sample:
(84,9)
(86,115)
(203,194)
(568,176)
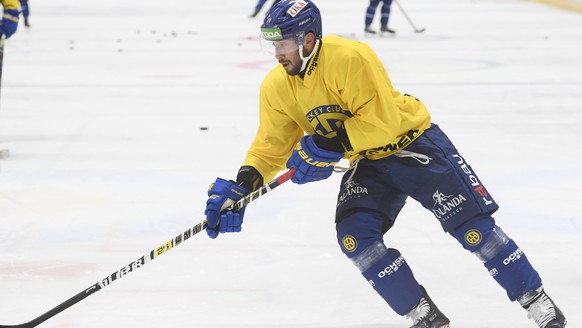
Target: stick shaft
(4,153)
(408,18)
(150,256)
(2,41)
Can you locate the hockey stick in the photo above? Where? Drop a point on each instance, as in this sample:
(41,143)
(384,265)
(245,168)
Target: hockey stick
(4,153)
(2,41)
(150,256)
(417,30)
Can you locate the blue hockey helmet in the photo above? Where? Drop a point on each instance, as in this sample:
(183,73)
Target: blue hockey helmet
(292,19)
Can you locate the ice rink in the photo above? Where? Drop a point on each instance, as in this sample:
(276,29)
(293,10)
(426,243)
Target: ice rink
(101,108)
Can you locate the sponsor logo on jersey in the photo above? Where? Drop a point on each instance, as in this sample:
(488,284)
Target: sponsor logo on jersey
(326,119)
(475,183)
(313,64)
(391,147)
(473,237)
(296,8)
(447,206)
(392,268)
(351,191)
(349,243)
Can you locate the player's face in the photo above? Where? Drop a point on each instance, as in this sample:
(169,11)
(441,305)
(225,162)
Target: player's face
(287,53)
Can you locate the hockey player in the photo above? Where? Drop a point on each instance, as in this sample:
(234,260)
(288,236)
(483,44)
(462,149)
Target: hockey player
(330,98)
(25,12)
(9,22)
(385,15)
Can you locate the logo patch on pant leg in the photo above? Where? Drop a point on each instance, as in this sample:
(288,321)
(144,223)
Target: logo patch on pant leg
(473,237)
(349,243)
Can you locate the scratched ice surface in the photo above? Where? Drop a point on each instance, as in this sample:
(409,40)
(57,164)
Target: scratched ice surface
(101,107)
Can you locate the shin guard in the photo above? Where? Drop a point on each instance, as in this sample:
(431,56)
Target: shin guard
(505,261)
(513,271)
(360,237)
(392,278)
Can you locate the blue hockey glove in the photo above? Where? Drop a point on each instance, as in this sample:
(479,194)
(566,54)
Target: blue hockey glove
(312,163)
(221,195)
(9,22)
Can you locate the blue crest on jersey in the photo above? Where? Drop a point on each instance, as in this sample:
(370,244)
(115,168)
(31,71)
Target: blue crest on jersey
(326,119)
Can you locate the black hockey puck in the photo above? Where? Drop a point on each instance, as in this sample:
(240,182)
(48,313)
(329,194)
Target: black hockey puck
(203,128)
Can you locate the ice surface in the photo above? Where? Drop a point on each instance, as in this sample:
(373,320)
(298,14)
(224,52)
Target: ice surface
(101,108)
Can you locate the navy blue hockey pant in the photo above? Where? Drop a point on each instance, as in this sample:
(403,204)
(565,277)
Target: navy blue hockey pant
(24,7)
(385,11)
(432,172)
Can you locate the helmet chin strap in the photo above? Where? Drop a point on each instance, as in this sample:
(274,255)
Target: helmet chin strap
(306,59)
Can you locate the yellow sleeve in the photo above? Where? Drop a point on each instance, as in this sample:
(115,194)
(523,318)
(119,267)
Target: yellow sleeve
(368,94)
(277,134)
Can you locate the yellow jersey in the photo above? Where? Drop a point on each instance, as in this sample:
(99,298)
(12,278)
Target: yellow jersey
(344,83)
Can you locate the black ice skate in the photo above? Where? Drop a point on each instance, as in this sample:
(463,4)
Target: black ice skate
(544,311)
(385,28)
(369,30)
(426,314)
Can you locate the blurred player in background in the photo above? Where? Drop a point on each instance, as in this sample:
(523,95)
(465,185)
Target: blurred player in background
(331,98)
(260,5)
(25,11)
(385,15)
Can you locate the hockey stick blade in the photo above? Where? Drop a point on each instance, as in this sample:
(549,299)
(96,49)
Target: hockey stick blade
(416,30)
(150,256)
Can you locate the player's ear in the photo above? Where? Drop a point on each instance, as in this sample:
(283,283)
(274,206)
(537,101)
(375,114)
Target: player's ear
(309,42)
(310,39)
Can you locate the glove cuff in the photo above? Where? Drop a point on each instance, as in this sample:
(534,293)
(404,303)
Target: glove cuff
(316,156)
(227,188)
